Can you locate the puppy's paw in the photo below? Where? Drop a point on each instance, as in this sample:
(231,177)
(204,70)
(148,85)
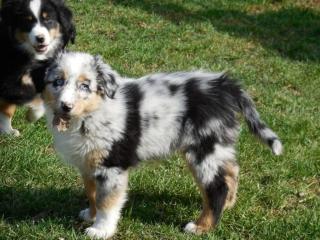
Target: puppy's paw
(85,215)
(12,132)
(99,233)
(193,228)
(15,132)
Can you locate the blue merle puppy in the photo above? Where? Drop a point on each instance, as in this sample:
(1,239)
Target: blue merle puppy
(104,124)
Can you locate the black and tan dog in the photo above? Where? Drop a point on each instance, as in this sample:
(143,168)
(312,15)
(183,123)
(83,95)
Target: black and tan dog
(31,34)
(104,124)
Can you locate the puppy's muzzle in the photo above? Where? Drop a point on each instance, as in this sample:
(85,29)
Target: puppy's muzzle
(66,107)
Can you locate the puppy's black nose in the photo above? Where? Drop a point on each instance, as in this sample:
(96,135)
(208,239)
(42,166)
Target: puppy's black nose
(40,38)
(66,107)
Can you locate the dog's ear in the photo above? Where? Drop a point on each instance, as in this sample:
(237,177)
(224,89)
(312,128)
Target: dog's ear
(66,21)
(106,78)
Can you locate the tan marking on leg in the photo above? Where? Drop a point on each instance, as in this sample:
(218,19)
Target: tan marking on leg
(231,178)
(206,220)
(94,159)
(7,109)
(21,37)
(111,199)
(90,189)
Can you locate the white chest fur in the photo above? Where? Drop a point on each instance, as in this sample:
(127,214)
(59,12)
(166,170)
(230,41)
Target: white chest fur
(84,136)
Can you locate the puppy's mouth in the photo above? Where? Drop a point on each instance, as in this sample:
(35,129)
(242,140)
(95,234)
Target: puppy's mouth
(41,48)
(61,122)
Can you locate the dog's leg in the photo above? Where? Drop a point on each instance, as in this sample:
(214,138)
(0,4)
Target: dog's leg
(217,177)
(111,195)
(7,111)
(231,170)
(89,214)
(36,109)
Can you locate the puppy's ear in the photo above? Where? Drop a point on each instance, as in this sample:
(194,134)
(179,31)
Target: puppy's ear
(106,78)
(65,20)
(53,65)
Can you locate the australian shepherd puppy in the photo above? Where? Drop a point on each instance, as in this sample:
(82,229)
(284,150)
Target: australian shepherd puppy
(31,33)
(104,124)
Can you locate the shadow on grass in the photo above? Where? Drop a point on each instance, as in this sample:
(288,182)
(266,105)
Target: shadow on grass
(162,207)
(292,32)
(63,205)
(18,204)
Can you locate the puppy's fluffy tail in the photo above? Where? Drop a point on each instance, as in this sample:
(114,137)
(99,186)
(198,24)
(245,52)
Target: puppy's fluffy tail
(257,126)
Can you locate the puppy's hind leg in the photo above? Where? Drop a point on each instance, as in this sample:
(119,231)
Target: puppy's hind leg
(111,185)
(216,173)
(7,111)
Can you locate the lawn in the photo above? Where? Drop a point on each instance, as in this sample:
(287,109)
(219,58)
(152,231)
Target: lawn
(272,46)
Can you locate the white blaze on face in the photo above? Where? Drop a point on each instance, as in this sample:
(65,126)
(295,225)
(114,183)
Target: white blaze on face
(68,96)
(38,30)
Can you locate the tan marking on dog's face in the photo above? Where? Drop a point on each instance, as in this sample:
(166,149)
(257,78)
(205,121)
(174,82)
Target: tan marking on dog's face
(88,104)
(7,109)
(55,32)
(82,78)
(21,36)
(90,189)
(231,178)
(44,15)
(85,106)
(65,74)
(27,80)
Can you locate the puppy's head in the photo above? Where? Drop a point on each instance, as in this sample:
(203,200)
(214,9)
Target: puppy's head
(77,83)
(39,27)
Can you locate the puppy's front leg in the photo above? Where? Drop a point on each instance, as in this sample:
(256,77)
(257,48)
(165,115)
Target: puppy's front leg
(89,214)
(111,186)
(36,109)
(7,111)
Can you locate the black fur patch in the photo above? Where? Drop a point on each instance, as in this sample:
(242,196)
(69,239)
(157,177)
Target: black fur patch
(124,152)
(217,192)
(173,89)
(203,148)
(215,102)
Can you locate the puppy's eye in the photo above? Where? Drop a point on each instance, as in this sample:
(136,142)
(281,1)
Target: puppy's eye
(58,82)
(84,87)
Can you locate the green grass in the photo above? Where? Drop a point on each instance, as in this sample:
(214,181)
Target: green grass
(271,45)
